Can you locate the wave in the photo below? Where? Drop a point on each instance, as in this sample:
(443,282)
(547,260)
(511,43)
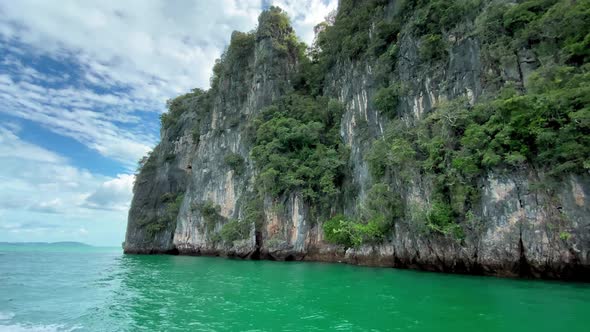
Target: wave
(6,315)
(5,326)
(36,328)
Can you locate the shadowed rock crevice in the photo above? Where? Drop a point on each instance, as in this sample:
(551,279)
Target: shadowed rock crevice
(387,71)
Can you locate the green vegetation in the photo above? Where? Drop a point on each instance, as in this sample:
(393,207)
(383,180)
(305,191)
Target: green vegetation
(197,101)
(456,144)
(541,120)
(210,214)
(240,49)
(437,16)
(431,20)
(368,30)
(274,22)
(383,204)
(172,203)
(565,235)
(235,230)
(254,211)
(432,48)
(386,99)
(382,209)
(545,124)
(177,106)
(350,38)
(351,233)
(556,30)
(297,148)
(146,164)
(235,162)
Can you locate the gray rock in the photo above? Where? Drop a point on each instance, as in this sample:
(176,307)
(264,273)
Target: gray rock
(520,230)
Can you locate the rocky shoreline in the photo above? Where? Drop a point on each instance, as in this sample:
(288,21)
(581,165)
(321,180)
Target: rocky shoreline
(368,257)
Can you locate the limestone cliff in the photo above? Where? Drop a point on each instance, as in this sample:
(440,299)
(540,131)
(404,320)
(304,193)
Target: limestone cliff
(201,179)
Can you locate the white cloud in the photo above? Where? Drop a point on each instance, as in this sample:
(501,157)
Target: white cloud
(12,147)
(158,48)
(139,53)
(117,63)
(148,51)
(305,15)
(34,178)
(114,194)
(42,196)
(169,45)
(93,119)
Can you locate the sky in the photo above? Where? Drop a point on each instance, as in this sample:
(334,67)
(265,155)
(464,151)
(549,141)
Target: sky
(82,85)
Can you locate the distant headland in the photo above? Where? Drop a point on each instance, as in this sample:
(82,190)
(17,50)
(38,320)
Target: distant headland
(60,244)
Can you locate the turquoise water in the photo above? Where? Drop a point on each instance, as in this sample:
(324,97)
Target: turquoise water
(100,289)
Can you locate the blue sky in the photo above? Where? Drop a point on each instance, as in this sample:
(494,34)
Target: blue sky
(82,85)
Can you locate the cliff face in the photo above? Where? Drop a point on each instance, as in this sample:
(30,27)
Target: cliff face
(189,193)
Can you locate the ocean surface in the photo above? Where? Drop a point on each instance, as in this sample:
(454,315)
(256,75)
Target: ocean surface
(100,289)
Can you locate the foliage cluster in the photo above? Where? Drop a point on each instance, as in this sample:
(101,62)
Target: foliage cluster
(210,214)
(240,229)
(350,36)
(376,221)
(236,162)
(547,127)
(372,29)
(351,233)
(172,202)
(177,106)
(357,32)
(297,148)
(557,31)
(234,230)
(273,22)
(146,164)
(427,17)
(235,57)
(254,211)
(430,20)
(386,99)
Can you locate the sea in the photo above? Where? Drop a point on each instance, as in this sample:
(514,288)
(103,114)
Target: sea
(83,288)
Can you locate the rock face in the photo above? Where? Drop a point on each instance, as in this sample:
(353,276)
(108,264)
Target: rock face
(519,230)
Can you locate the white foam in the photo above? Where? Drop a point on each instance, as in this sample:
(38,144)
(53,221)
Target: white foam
(6,315)
(35,328)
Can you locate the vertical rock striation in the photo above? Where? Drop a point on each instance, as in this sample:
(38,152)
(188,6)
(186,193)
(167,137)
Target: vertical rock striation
(517,229)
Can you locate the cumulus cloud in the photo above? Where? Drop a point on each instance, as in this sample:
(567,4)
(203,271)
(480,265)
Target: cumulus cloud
(51,206)
(158,48)
(305,15)
(113,194)
(42,194)
(99,72)
(40,180)
(125,58)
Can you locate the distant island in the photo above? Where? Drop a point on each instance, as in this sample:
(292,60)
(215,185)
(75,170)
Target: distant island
(61,244)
